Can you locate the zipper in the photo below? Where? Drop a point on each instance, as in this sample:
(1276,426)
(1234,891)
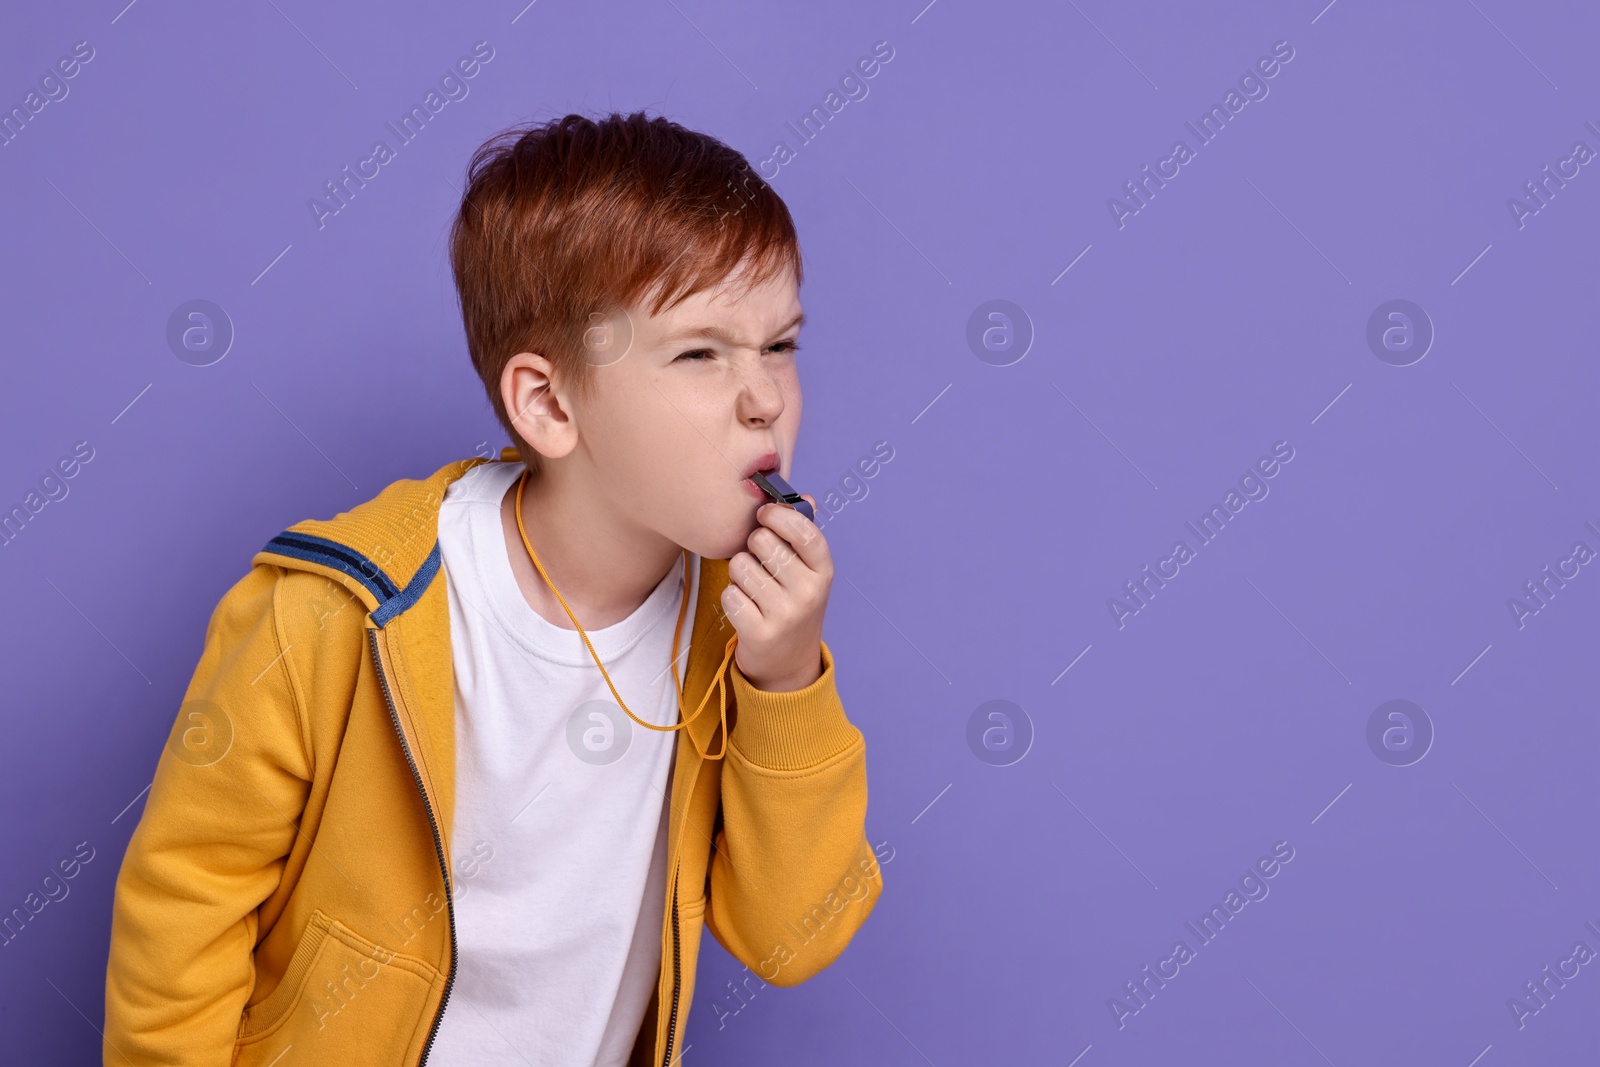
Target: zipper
(444,867)
(672,1022)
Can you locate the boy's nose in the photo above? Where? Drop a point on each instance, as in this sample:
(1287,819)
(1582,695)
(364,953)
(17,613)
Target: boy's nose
(761,398)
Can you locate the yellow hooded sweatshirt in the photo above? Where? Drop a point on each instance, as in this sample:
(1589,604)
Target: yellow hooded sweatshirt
(287,892)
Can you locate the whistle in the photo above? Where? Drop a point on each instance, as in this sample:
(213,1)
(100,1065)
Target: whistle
(782,492)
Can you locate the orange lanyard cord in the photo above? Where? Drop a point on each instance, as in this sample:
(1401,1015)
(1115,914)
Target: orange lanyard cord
(720,678)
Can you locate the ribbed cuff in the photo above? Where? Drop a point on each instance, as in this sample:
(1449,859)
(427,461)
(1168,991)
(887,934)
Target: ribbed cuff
(794,730)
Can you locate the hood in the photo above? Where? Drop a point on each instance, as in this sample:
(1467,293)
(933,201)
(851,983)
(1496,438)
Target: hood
(385,551)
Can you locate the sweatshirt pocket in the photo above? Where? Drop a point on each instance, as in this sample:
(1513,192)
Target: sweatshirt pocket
(343,999)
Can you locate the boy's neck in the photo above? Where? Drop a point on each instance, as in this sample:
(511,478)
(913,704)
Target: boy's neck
(604,569)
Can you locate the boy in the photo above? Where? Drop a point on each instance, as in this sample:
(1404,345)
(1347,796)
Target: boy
(405,815)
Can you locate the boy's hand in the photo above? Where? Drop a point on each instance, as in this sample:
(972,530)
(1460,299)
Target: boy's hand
(776,597)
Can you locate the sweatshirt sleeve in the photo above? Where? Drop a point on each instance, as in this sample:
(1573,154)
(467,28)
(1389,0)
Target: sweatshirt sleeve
(793,876)
(221,816)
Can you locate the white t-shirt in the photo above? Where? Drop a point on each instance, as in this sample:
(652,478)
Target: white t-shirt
(560,830)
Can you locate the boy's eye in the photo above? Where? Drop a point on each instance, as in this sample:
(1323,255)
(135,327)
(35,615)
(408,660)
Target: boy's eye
(698,355)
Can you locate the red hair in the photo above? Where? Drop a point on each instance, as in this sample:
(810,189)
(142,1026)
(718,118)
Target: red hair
(573,218)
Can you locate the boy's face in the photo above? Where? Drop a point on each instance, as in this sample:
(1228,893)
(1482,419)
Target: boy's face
(686,404)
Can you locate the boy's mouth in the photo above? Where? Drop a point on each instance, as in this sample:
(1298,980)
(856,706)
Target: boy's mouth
(763,464)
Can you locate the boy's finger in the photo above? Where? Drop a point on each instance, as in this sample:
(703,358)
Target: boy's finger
(796,529)
(757,584)
(742,602)
(777,555)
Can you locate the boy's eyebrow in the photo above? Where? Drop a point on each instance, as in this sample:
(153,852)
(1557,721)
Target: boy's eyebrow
(717,333)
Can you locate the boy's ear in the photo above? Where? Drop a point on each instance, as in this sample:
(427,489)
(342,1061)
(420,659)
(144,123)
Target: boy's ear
(539,408)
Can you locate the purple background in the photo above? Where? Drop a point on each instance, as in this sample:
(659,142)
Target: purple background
(1227,315)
